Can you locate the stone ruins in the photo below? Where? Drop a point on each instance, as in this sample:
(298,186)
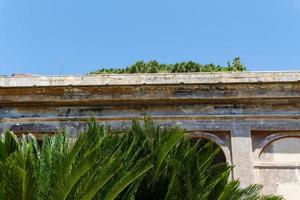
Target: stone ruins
(252,116)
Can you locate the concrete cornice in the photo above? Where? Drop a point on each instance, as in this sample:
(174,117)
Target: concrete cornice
(150,79)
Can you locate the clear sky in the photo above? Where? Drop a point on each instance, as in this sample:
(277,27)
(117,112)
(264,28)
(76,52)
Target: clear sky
(78,36)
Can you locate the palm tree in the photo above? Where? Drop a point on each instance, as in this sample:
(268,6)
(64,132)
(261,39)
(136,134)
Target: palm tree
(18,161)
(189,172)
(145,162)
(98,165)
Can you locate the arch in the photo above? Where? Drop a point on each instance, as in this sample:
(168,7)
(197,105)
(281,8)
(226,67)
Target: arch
(272,138)
(217,140)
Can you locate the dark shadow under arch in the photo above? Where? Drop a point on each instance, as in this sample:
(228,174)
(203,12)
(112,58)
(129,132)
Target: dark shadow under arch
(207,137)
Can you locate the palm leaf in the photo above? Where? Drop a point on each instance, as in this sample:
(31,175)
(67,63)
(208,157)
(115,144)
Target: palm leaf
(135,173)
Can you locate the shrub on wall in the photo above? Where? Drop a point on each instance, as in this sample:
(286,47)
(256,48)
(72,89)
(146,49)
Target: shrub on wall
(182,67)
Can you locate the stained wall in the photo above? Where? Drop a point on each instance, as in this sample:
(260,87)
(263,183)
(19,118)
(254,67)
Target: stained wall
(254,117)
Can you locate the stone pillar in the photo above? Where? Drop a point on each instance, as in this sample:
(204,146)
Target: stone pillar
(241,147)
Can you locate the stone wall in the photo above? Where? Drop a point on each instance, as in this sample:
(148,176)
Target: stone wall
(254,117)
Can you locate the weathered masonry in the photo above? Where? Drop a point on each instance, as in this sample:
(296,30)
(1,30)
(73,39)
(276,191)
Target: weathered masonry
(254,117)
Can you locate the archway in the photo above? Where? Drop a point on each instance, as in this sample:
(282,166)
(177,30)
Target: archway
(278,158)
(224,155)
(273,138)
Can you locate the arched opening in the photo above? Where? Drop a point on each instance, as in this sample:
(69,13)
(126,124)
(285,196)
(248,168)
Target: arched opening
(220,157)
(224,153)
(284,149)
(279,164)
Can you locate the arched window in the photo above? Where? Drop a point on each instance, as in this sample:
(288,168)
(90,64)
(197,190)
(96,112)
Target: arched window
(224,155)
(278,164)
(284,150)
(220,157)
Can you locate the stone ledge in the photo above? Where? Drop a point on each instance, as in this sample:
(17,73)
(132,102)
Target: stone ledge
(150,79)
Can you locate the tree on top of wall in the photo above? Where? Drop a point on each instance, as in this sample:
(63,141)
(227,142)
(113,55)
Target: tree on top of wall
(236,65)
(181,67)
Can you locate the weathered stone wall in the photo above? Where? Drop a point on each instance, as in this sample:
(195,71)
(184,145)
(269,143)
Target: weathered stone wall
(254,117)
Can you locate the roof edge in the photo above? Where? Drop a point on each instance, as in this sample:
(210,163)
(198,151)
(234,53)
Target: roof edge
(150,79)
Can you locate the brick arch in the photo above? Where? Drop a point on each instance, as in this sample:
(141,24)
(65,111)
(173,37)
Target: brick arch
(217,140)
(272,138)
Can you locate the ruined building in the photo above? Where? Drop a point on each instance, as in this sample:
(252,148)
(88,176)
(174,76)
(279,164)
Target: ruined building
(253,117)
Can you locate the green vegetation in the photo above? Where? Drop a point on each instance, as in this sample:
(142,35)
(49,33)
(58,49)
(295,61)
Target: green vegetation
(145,162)
(156,67)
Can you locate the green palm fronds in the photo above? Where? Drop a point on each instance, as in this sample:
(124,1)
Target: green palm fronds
(145,162)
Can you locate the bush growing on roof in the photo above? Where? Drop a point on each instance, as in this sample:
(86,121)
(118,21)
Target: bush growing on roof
(181,67)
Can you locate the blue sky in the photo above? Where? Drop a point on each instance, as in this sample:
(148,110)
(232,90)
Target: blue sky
(78,36)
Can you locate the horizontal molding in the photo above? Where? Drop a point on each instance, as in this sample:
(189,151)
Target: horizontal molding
(212,118)
(277,164)
(275,93)
(152,79)
(32,102)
